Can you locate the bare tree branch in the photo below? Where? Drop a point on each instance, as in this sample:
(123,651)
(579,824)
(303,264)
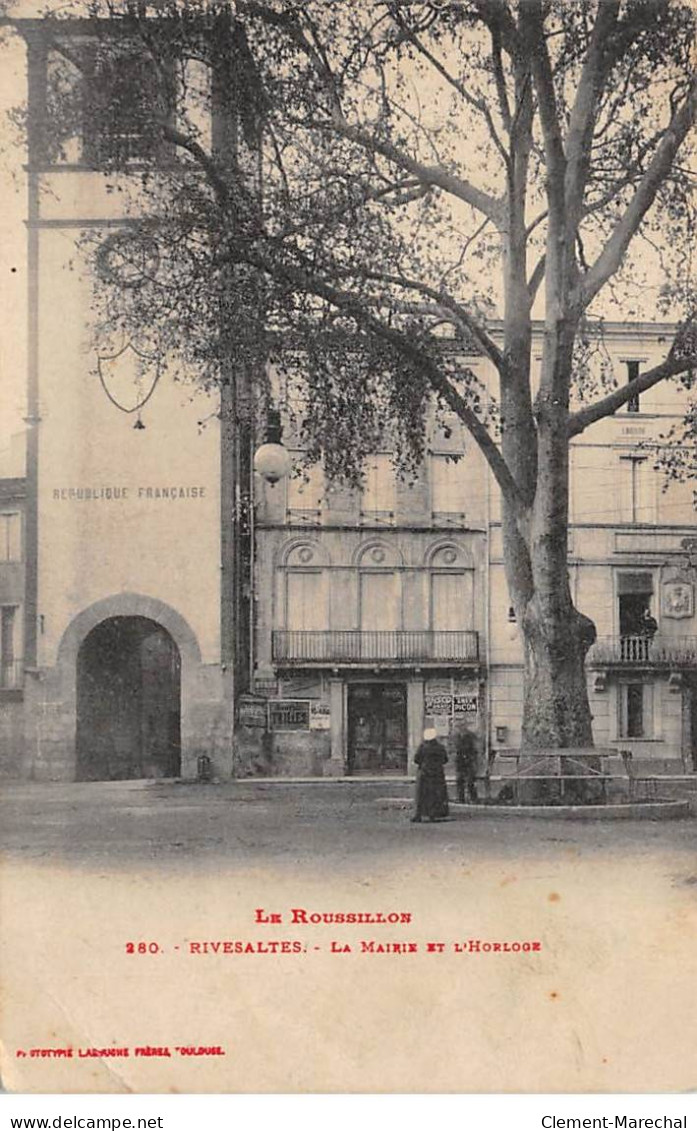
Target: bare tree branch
(671,367)
(537,276)
(532,27)
(445,301)
(433,175)
(477,104)
(584,111)
(613,252)
(202,158)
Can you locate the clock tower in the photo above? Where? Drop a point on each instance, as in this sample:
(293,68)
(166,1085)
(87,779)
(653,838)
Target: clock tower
(126,677)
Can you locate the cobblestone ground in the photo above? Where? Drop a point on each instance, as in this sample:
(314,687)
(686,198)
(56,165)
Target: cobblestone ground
(122,823)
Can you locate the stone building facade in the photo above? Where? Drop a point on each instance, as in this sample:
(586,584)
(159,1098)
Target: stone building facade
(371,610)
(394,603)
(631,571)
(123,668)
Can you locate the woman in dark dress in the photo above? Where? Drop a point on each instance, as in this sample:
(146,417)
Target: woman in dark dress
(431,792)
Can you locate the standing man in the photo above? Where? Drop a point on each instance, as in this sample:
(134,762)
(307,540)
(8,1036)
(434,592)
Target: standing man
(649,625)
(466,765)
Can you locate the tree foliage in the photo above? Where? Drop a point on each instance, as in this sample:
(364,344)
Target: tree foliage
(416,161)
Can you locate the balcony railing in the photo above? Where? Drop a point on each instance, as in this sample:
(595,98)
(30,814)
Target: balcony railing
(11,675)
(449,519)
(644,651)
(376,518)
(392,648)
(304,516)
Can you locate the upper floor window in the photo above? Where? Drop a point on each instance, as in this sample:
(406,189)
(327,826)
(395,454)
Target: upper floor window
(633,372)
(635,595)
(451,602)
(452,590)
(637,623)
(305,600)
(10,536)
(305,496)
(637,494)
(305,583)
(125,100)
(379,491)
(448,490)
(380,601)
(379,588)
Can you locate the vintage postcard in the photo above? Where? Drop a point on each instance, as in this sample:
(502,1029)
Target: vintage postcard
(348,644)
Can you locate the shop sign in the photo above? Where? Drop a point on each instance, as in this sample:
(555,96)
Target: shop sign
(289,714)
(465,705)
(266,687)
(438,704)
(320,716)
(251,712)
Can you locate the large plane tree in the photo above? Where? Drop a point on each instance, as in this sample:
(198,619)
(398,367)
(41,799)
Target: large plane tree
(391,187)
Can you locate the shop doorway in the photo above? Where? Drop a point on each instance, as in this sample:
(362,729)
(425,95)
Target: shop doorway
(377,728)
(128,702)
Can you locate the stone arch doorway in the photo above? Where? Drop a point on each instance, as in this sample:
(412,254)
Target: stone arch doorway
(128,701)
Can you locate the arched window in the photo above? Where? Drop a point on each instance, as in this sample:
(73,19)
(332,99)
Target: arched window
(380,594)
(452,589)
(305,588)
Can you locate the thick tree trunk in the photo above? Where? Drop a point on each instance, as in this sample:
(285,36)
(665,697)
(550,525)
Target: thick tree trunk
(556,636)
(556,711)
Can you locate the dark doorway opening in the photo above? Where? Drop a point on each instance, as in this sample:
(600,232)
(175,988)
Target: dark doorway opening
(637,624)
(377,728)
(128,702)
(634,609)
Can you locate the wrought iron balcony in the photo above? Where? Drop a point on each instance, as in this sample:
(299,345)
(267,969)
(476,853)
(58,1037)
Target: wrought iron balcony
(304,516)
(391,649)
(11,675)
(376,518)
(449,519)
(644,651)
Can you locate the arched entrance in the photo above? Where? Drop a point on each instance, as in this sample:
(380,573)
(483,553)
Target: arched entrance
(128,702)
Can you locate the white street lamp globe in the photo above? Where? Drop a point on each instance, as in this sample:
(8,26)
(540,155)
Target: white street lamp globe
(272,461)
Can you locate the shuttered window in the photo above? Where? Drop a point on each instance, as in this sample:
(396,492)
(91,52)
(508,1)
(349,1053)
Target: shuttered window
(305,610)
(380,609)
(379,487)
(10,537)
(451,602)
(448,486)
